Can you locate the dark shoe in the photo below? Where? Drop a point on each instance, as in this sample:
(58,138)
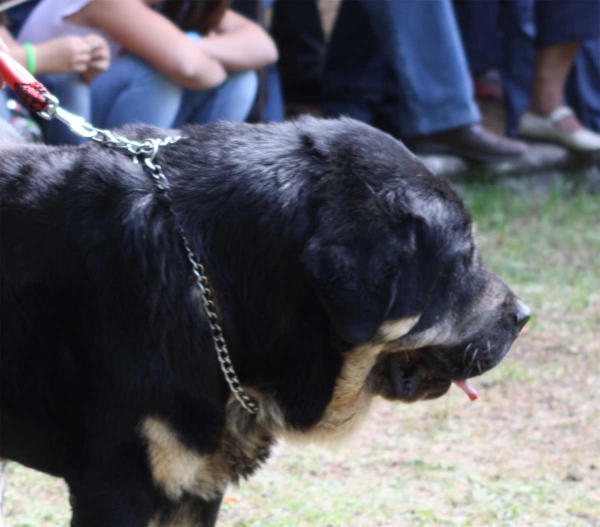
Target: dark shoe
(471,142)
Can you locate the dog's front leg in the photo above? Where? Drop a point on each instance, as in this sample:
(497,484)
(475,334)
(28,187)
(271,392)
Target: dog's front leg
(211,511)
(189,511)
(114,488)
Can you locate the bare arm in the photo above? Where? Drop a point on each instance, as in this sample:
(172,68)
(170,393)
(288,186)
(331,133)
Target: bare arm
(61,55)
(6,39)
(148,34)
(239,44)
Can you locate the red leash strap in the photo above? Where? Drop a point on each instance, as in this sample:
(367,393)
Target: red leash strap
(30,91)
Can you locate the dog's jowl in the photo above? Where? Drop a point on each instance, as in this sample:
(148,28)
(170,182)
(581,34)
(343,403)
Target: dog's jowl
(340,269)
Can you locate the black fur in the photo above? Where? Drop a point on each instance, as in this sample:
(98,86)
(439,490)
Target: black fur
(313,234)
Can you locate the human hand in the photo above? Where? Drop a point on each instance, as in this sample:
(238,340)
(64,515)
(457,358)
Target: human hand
(100,59)
(64,55)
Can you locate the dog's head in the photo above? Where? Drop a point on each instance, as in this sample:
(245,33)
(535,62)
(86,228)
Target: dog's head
(396,266)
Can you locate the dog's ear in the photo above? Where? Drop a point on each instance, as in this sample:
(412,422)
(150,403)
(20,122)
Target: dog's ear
(356,283)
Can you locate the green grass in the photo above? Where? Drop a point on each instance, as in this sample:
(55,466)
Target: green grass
(546,245)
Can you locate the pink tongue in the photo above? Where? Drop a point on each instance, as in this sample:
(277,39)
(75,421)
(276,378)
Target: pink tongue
(468,389)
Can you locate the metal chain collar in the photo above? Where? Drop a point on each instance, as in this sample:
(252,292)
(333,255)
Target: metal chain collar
(145,151)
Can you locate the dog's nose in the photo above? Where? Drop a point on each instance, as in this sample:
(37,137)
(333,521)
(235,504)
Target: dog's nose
(522,314)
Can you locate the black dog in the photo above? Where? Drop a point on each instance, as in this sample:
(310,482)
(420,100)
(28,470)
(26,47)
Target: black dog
(340,268)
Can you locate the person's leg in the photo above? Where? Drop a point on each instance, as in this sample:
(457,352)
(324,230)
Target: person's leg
(583,86)
(130,91)
(518,59)
(424,49)
(269,105)
(231,101)
(478,23)
(354,70)
(561,27)
(436,110)
(274,107)
(297,30)
(479,28)
(406,72)
(552,67)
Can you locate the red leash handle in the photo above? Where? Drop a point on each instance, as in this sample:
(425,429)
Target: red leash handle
(30,91)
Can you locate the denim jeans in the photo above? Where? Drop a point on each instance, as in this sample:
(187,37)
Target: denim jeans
(407,62)
(4,113)
(583,88)
(231,101)
(270,107)
(131,90)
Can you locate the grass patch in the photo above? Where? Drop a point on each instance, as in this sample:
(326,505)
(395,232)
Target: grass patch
(546,245)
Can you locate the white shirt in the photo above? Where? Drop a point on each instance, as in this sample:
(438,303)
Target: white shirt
(47,22)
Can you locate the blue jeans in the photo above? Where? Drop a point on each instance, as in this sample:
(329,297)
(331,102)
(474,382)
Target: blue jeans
(271,106)
(131,90)
(583,88)
(4,113)
(407,63)
(231,101)
(274,103)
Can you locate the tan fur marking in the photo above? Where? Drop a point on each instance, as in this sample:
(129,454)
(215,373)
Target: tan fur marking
(440,332)
(175,467)
(351,399)
(395,329)
(246,438)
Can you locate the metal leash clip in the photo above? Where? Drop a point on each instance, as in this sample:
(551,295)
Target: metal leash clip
(76,123)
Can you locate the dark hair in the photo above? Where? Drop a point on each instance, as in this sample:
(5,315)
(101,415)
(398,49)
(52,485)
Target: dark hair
(195,15)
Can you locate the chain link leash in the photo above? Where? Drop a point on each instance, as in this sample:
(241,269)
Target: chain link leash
(145,152)
(162,184)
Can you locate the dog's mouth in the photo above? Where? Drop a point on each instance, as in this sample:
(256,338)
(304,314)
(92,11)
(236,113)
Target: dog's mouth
(397,377)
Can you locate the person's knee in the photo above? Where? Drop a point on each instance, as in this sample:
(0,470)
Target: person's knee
(243,85)
(142,73)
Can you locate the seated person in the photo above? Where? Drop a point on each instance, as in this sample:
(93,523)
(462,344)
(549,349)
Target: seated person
(183,62)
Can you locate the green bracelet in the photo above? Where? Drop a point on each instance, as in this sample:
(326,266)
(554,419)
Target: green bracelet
(31,57)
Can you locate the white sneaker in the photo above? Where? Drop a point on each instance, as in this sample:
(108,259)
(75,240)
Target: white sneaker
(537,127)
